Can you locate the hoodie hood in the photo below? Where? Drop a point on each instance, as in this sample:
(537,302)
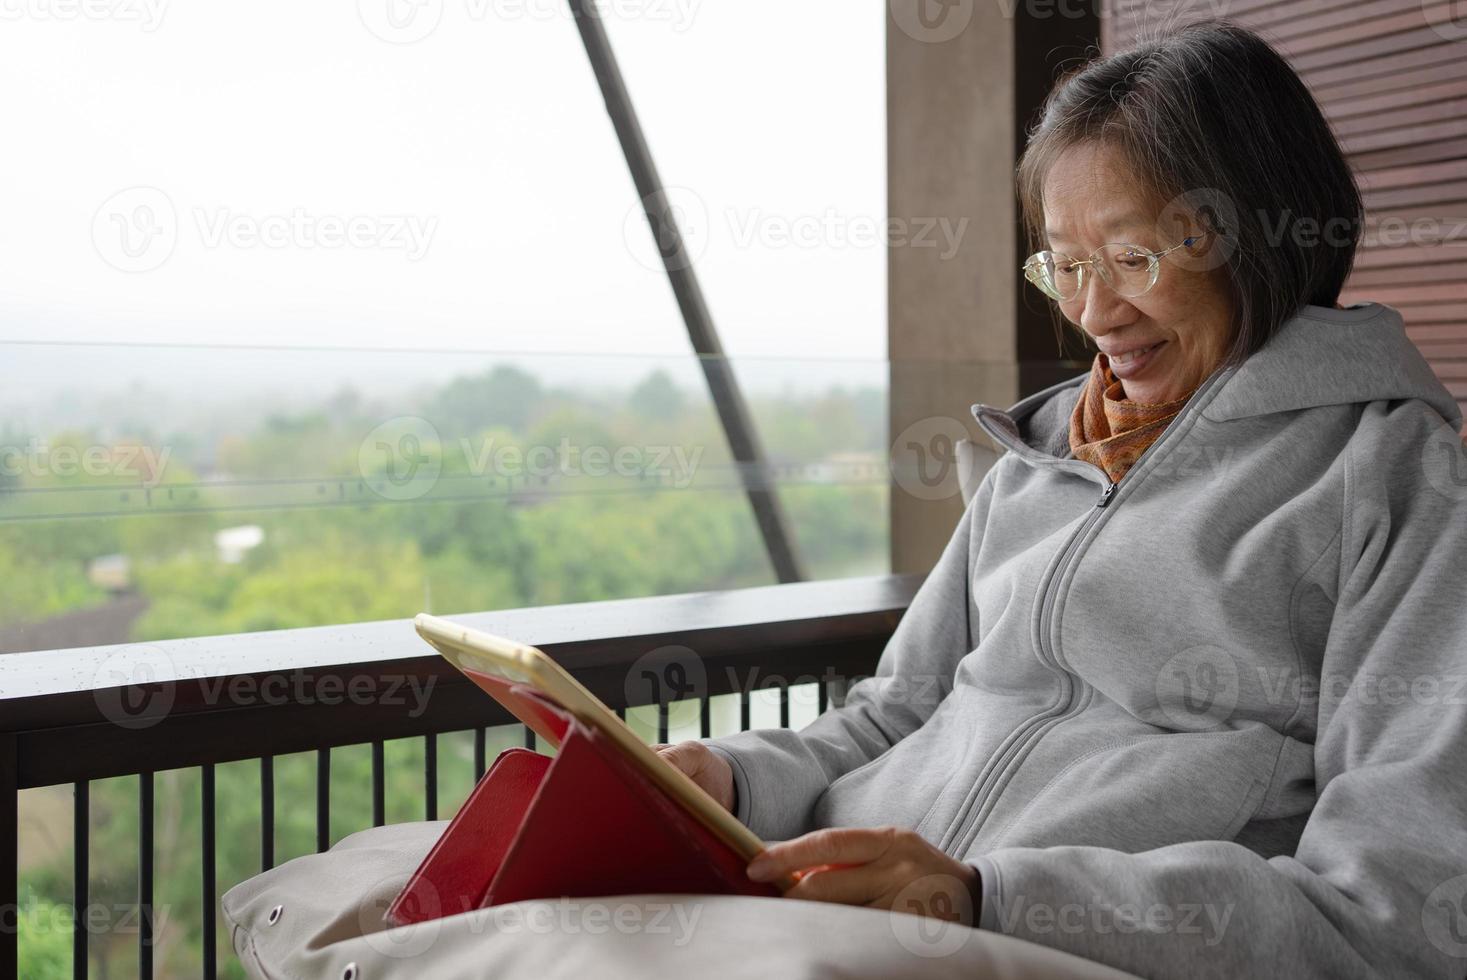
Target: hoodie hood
(1320,356)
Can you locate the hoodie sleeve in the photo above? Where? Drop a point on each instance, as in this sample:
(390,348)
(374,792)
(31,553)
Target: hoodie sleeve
(779,774)
(1378,883)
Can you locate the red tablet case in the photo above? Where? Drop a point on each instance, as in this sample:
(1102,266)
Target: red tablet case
(585,823)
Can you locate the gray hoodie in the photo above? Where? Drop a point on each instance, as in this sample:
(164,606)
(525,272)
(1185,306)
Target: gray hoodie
(1208,721)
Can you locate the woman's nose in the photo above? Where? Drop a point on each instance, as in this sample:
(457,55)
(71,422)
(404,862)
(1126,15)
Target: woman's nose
(1103,309)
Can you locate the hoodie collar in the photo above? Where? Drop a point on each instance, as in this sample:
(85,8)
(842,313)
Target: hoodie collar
(1320,356)
(1324,356)
(1037,428)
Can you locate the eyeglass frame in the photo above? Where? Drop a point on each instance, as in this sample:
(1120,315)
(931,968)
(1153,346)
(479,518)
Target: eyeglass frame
(1153,260)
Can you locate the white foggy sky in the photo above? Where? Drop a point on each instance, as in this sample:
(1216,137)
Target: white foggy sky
(491,126)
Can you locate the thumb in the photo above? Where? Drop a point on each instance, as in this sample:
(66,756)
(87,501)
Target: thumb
(684,756)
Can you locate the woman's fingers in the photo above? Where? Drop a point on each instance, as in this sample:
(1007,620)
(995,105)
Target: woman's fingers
(886,867)
(690,757)
(861,884)
(704,767)
(834,845)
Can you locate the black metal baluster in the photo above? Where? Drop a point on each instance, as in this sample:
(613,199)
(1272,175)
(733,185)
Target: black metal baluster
(9,858)
(479,753)
(81,875)
(145,875)
(529,738)
(267,812)
(822,698)
(662,711)
(705,716)
(379,786)
(745,714)
(323,800)
(430,776)
(621,713)
(206,801)
(784,706)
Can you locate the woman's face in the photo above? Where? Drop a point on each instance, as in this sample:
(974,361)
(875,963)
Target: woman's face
(1163,344)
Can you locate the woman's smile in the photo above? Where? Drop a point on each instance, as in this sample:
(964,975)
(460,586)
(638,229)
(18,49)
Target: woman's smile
(1131,363)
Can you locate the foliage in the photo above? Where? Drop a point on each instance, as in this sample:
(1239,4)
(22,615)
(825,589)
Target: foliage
(45,940)
(576,540)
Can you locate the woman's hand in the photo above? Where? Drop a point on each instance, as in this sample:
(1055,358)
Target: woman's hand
(705,767)
(883,867)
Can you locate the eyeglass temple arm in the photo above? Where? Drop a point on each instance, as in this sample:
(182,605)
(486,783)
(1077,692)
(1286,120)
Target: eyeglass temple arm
(1191,239)
(1184,242)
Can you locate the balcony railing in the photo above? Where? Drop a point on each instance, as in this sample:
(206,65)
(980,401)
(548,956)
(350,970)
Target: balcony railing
(133,711)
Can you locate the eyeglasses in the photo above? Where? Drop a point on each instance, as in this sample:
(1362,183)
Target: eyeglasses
(1130,270)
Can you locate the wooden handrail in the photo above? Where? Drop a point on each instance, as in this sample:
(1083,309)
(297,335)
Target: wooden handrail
(98,712)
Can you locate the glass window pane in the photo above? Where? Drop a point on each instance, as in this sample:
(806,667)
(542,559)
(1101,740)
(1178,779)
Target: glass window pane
(768,122)
(252,283)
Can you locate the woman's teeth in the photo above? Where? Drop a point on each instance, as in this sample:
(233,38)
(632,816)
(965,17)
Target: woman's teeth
(1130,356)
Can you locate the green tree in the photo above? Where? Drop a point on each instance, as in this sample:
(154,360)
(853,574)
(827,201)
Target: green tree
(574,541)
(504,395)
(657,397)
(45,940)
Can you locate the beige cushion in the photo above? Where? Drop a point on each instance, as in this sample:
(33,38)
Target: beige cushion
(330,906)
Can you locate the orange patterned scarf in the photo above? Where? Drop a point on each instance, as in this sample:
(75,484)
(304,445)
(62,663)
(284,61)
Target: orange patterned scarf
(1110,430)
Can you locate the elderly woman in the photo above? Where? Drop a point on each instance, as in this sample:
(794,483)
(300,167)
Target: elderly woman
(1185,691)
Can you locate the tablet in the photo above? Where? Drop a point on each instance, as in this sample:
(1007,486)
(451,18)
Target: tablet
(470,649)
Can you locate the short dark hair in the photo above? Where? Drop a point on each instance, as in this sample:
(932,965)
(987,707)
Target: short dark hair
(1215,121)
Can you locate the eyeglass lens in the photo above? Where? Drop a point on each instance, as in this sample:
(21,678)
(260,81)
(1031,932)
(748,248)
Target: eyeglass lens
(1128,269)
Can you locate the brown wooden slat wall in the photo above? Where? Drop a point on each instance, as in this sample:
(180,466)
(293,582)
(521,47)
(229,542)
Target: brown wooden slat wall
(1391,76)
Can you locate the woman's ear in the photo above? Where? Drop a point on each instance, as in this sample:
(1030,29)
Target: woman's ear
(1204,241)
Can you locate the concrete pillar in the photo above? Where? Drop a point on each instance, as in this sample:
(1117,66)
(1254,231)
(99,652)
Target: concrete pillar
(963,78)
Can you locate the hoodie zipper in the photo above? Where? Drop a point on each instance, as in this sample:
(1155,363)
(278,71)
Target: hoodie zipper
(965,825)
(1024,735)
